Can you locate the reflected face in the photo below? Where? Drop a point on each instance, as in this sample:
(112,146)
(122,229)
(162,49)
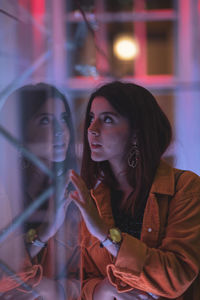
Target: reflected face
(48,135)
(108,133)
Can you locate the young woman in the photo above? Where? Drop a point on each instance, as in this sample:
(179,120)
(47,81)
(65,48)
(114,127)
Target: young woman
(51,231)
(141,230)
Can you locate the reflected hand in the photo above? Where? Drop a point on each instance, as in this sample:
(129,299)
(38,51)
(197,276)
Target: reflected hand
(53,220)
(55,216)
(87,207)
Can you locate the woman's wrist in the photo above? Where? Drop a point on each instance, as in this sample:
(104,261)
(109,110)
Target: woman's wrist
(33,243)
(103,233)
(44,233)
(32,238)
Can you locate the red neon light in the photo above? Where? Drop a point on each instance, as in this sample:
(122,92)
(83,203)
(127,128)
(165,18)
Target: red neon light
(38,7)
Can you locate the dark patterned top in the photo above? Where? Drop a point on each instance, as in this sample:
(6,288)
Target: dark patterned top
(125,222)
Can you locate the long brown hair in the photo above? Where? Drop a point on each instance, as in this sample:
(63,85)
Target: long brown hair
(153,132)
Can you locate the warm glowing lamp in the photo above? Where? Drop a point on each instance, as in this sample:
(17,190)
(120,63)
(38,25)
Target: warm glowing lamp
(125,47)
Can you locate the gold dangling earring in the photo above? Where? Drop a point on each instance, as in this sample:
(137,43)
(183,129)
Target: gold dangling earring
(134,154)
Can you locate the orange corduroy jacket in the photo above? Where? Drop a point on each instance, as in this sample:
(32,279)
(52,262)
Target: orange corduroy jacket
(166,260)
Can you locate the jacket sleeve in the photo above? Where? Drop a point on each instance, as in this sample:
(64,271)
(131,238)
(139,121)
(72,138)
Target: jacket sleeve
(30,275)
(90,275)
(169,269)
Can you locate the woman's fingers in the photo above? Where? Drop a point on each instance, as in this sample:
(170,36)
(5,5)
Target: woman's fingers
(75,197)
(77,180)
(87,207)
(80,187)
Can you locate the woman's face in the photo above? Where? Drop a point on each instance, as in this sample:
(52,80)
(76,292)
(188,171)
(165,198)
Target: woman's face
(108,133)
(48,135)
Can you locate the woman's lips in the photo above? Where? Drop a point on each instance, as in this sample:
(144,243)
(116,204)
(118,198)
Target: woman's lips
(59,146)
(95,146)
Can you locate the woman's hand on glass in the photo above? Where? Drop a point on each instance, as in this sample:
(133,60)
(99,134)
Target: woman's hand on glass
(87,207)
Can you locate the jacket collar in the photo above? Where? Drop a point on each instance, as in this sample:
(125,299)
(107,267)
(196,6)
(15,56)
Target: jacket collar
(164,180)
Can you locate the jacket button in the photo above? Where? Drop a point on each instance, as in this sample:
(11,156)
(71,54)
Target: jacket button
(149,229)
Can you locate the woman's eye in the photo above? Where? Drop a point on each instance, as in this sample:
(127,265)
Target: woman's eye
(91,118)
(64,119)
(44,121)
(108,119)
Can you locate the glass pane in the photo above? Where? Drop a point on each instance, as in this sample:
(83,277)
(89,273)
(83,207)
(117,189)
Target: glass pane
(36,118)
(160,48)
(80,50)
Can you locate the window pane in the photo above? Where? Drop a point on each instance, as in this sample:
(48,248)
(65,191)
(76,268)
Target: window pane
(129,5)
(118,5)
(86,5)
(157,4)
(160,48)
(167,103)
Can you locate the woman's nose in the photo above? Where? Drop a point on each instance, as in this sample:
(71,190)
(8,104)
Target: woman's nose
(94,128)
(58,130)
